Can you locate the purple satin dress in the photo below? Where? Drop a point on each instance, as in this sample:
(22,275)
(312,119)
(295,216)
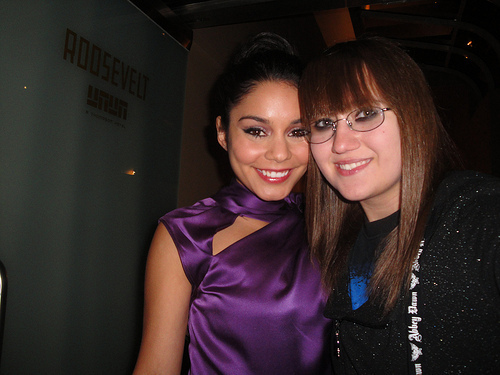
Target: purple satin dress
(257,306)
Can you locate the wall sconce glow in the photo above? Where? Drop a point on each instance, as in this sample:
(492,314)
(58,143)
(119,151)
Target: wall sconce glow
(130,172)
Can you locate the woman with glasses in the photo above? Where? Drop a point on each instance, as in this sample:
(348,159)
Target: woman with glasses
(234,269)
(408,246)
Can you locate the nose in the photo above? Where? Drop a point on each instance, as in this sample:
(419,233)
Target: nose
(344,139)
(278,149)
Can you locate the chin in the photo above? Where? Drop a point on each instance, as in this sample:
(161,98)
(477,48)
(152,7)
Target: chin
(349,196)
(272,196)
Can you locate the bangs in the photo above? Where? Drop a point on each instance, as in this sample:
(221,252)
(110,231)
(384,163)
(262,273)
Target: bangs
(334,85)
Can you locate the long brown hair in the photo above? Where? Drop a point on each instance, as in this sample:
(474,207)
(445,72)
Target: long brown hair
(363,73)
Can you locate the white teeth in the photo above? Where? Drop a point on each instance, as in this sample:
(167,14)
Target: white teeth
(351,166)
(273,174)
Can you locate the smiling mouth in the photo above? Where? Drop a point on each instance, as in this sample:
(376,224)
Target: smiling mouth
(351,166)
(274,174)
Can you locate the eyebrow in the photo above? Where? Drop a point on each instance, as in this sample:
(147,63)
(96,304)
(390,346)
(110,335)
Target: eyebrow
(254,118)
(265,121)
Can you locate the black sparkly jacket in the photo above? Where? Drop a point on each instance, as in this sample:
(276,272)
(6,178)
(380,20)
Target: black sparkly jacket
(450,322)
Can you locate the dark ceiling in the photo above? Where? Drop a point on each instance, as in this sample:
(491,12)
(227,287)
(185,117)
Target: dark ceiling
(459,36)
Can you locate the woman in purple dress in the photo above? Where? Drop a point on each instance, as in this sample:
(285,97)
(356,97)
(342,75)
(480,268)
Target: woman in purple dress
(234,269)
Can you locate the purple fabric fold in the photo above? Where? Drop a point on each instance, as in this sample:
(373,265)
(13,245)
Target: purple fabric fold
(257,306)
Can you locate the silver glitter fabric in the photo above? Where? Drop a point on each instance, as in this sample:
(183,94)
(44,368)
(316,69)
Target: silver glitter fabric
(458,313)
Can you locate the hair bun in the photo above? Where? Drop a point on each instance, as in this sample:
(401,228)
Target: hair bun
(261,44)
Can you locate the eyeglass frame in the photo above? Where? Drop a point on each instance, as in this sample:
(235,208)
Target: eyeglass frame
(349,124)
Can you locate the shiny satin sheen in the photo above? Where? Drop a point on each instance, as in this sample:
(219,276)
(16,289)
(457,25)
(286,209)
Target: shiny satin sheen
(257,306)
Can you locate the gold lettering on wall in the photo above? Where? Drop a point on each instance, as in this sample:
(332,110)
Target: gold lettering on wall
(106,102)
(92,58)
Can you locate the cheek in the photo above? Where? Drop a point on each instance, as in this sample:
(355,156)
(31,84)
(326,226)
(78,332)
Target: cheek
(320,153)
(390,145)
(242,155)
(388,148)
(398,164)
(301,153)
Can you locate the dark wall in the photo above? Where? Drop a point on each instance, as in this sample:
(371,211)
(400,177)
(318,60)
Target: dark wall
(91,106)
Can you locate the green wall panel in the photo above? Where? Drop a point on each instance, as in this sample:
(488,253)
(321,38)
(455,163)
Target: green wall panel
(91,103)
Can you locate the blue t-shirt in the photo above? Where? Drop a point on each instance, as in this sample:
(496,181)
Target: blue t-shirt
(362,257)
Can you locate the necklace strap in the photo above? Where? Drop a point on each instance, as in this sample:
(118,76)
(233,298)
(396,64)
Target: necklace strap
(415,339)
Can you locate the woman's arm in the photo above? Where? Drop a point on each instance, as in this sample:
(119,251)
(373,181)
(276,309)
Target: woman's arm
(167,293)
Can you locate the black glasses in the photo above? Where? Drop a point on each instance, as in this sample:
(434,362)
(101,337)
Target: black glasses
(360,120)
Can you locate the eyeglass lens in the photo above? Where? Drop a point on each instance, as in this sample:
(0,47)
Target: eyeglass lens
(361,120)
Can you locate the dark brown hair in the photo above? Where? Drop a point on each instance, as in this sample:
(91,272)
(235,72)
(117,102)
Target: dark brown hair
(362,73)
